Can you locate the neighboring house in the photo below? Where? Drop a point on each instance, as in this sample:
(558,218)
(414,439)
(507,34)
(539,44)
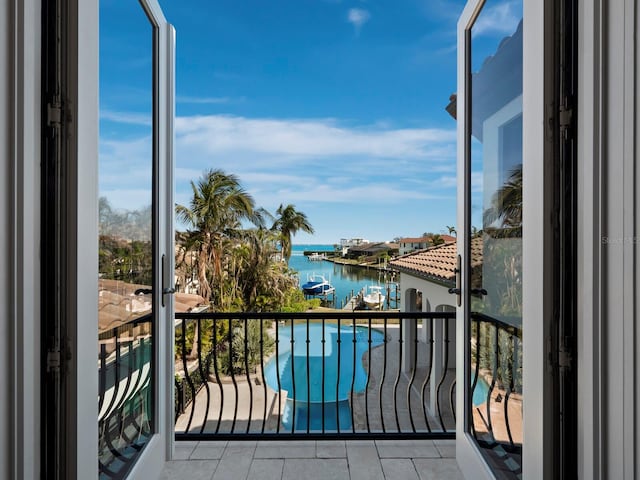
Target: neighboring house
(411,244)
(372,249)
(425,279)
(432,272)
(347,243)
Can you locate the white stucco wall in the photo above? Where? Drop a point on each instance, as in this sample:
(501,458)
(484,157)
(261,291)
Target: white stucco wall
(434,298)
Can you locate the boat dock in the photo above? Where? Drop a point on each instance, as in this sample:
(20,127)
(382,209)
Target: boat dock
(355,301)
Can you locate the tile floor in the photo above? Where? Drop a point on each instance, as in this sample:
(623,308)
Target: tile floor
(314,460)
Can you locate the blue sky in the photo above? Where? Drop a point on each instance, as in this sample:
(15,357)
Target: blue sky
(336,106)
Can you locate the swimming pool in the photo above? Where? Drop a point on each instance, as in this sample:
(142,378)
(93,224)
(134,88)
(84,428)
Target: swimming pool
(288,371)
(480,392)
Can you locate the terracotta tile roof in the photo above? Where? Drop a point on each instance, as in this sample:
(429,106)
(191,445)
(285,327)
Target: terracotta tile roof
(446,238)
(118,304)
(437,263)
(415,240)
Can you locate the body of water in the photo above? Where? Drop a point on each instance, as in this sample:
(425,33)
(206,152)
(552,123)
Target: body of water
(344,278)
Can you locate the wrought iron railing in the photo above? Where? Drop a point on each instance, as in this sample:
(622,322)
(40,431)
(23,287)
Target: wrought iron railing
(496,391)
(315,375)
(124,395)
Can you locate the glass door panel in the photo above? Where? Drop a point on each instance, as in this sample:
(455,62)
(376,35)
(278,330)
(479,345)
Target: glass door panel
(494,200)
(127,248)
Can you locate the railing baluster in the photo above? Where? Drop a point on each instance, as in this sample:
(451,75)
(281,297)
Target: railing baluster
(102,376)
(233,376)
(397,381)
(139,360)
(116,379)
(217,373)
(366,388)
(476,375)
(323,367)
(264,382)
(338,381)
(444,371)
(278,377)
(427,378)
(413,374)
(384,375)
(123,400)
(353,376)
(494,374)
(293,380)
(203,376)
(308,383)
(187,377)
(246,366)
(513,363)
(452,405)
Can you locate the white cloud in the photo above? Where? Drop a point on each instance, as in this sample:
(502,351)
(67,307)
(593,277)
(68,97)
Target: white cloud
(501,19)
(358,17)
(287,141)
(309,162)
(206,100)
(132,118)
(355,194)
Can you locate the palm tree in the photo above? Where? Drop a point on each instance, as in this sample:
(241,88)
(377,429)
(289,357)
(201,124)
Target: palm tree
(436,239)
(452,230)
(288,222)
(503,219)
(214,214)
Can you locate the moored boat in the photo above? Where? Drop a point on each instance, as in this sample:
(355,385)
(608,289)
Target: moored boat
(317,285)
(374,299)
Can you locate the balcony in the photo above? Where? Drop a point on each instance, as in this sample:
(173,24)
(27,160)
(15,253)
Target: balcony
(359,394)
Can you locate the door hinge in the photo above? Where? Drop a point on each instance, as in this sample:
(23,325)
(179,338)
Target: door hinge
(565,119)
(560,357)
(565,359)
(53,360)
(565,354)
(57,356)
(54,115)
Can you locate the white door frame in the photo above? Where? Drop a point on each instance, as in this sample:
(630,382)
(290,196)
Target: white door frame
(534,300)
(84,459)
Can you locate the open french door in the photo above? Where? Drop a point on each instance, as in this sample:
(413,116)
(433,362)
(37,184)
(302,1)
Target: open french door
(490,234)
(135,315)
(107,265)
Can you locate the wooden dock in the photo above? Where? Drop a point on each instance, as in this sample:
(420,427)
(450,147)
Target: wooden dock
(354,301)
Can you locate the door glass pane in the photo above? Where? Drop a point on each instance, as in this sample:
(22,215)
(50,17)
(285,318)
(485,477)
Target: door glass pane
(496,244)
(126,248)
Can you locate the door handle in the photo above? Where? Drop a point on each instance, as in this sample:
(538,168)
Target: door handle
(457,290)
(166,290)
(478,291)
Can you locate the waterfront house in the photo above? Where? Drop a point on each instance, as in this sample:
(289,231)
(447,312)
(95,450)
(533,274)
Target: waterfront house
(347,243)
(410,244)
(570,275)
(372,250)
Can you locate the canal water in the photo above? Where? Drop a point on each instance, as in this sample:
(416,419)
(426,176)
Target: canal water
(344,278)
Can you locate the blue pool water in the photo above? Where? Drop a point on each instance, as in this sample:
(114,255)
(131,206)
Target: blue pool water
(480,392)
(291,364)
